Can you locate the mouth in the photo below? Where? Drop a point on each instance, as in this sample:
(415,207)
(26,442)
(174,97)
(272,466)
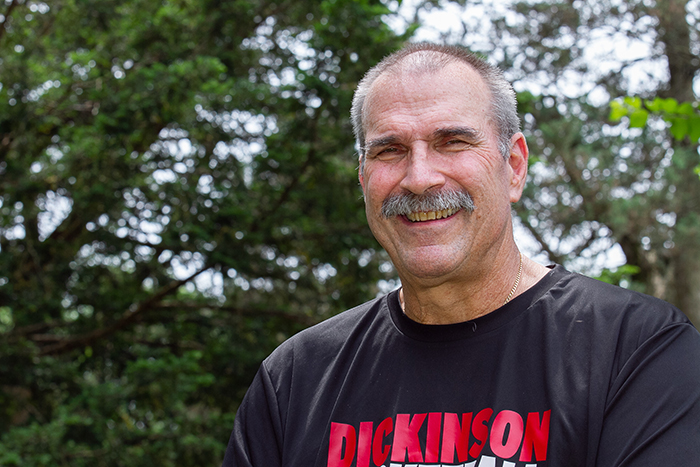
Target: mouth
(431,215)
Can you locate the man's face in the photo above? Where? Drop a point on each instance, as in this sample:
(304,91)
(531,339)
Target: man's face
(428,133)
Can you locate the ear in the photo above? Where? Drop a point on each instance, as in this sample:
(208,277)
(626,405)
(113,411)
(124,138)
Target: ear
(360,172)
(518,166)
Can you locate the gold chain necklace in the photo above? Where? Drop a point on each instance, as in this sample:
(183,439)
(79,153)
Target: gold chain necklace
(517,280)
(510,295)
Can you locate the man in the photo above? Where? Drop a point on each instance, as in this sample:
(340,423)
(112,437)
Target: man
(483,357)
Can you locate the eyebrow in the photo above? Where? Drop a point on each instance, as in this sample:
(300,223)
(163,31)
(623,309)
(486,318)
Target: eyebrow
(467,132)
(379,142)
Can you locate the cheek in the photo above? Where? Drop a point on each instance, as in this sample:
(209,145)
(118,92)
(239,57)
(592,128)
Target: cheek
(378,183)
(486,175)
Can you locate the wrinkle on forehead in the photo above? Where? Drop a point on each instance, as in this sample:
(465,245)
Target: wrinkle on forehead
(404,75)
(428,62)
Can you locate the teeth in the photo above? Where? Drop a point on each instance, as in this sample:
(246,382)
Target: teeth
(429,216)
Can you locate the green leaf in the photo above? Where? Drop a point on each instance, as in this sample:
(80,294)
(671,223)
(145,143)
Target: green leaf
(617,111)
(654,105)
(694,128)
(669,105)
(679,128)
(634,102)
(618,274)
(686,108)
(638,118)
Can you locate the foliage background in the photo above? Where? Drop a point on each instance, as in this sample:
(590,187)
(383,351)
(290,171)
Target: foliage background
(179,195)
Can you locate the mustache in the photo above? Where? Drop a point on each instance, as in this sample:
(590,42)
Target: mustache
(402,204)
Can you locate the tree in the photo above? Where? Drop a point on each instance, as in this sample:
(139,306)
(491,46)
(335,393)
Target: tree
(178,196)
(595,183)
(683,118)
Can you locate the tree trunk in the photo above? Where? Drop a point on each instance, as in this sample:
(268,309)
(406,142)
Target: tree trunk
(683,286)
(687,286)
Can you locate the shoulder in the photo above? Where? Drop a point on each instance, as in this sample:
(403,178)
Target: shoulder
(580,294)
(610,316)
(322,342)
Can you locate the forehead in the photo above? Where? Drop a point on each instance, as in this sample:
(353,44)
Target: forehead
(420,101)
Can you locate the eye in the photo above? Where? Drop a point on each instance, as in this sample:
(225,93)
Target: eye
(455,144)
(388,153)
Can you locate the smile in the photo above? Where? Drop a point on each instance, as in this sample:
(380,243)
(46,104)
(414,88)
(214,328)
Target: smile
(431,215)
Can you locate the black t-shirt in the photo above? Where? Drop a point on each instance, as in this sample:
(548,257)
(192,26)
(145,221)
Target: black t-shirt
(573,372)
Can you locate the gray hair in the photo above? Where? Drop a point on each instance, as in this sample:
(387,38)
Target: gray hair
(427,57)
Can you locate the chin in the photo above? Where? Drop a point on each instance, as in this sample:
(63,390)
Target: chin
(430,271)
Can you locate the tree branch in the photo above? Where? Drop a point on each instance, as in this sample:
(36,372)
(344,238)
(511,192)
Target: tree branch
(543,244)
(134,311)
(7,15)
(287,191)
(301,319)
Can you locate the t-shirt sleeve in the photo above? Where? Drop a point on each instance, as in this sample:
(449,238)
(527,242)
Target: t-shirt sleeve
(652,416)
(256,439)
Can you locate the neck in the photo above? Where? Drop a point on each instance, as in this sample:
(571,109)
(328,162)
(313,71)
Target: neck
(469,298)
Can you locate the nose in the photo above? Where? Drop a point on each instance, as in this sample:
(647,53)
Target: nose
(421,174)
